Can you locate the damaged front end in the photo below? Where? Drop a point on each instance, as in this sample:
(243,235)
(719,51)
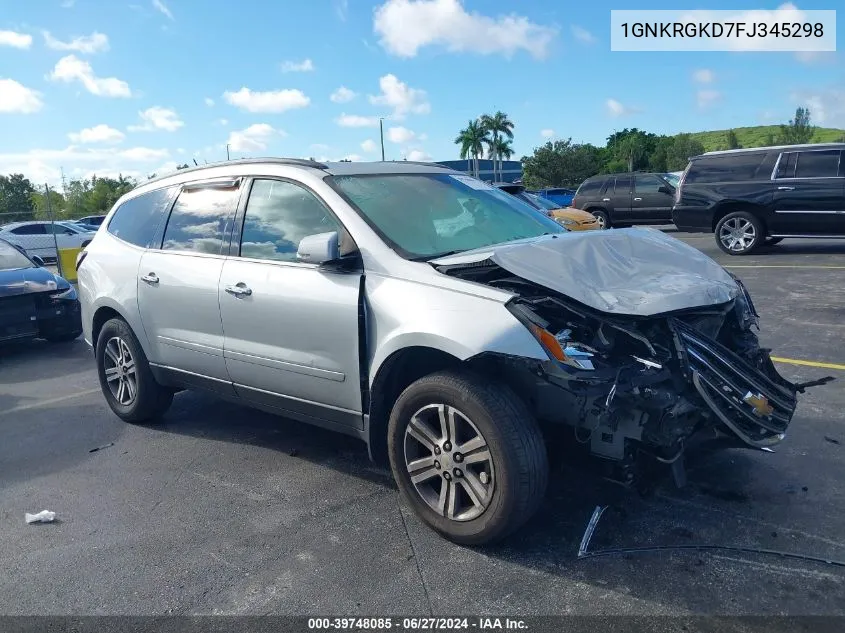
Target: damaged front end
(636,386)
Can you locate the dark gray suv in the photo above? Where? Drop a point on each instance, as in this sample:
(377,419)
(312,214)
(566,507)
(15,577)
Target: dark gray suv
(626,199)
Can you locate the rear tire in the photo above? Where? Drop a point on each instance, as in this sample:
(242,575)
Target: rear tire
(127,382)
(602,217)
(491,488)
(739,233)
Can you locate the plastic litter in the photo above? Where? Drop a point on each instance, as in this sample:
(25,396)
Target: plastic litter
(45,516)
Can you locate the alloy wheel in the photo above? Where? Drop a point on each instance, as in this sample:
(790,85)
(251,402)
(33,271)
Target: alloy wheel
(737,234)
(120,370)
(449,462)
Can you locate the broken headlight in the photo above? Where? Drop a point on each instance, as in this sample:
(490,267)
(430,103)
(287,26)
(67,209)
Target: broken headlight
(560,346)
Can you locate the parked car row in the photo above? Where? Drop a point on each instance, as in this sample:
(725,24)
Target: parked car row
(40,238)
(747,197)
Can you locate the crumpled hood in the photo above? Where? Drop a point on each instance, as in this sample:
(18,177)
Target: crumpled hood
(21,281)
(636,271)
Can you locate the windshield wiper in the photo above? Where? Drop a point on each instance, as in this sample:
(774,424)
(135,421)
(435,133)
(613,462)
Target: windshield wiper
(428,258)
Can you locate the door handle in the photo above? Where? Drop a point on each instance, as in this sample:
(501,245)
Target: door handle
(239,290)
(783,188)
(150,279)
(638,199)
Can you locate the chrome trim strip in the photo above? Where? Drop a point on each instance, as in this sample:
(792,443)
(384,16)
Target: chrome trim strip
(283,365)
(810,237)
(820,212)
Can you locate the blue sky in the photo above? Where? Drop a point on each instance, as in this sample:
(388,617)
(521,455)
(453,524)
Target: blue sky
(136,86)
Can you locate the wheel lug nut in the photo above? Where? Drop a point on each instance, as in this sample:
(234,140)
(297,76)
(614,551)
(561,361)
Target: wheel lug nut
(447,446)
(458,457)
(483,477)
(447,476)
(458,472)
(437,450)
(437,464)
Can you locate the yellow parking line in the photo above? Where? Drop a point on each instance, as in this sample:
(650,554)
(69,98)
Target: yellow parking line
(808,363)
(46,403)
(785,266)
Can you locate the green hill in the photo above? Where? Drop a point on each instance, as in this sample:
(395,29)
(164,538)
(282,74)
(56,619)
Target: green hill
(760,136)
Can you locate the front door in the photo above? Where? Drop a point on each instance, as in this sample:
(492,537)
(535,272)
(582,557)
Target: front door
(648,202)
(291,328)
(178,281)
(809,197)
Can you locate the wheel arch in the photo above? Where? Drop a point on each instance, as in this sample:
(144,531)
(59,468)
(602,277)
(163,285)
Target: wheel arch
(732,206)
(109,310)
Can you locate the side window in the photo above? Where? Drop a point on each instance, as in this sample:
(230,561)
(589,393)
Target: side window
(647,184)
(623,185)
(278,215)
(29,229)
(786,166)
(200,219)
(137,220)
(609,184)
(824,164)
(590,187)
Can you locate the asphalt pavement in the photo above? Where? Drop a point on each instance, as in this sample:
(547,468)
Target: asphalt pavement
(224,510)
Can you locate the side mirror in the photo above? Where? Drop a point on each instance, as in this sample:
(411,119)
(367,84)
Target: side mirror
(319,248)
(666,189)
(37,261)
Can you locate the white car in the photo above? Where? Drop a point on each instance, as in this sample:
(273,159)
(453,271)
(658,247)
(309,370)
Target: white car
(36,237)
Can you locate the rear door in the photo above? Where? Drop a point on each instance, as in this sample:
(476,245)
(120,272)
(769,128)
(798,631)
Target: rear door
(648,202)
(178,280)
(291,328)
(809,196)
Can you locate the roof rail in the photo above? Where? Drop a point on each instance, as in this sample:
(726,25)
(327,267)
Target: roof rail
(300,162)
(771,148)
(420,162)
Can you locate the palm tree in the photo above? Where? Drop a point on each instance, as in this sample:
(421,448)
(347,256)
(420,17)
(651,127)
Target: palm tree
(503,149)
(500,126)
(472,140)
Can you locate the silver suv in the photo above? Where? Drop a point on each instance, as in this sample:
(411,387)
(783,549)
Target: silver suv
(438,319)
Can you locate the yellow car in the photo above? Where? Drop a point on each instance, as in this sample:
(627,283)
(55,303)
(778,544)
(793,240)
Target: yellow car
(570,218)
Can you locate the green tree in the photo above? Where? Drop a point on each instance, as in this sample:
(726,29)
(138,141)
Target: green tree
(472,140)
(683,147)
(799,130)
(732,140)
(561,163)
(16,198)
(630,150)
(499,126)
(56,207)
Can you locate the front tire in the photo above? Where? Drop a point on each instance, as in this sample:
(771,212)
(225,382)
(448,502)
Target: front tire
(127,382)
(739,233)
(467,456)
(602,217)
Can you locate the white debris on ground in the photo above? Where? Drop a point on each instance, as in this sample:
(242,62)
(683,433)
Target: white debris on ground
(45,516)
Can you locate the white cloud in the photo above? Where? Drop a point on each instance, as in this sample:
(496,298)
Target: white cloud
(400,135)
(706,98)
(341,9)
(418,154)
(162,8)
(353,157)
(15,40)
(17,98)
(271,101)
(354,120)
(369,146)
(254,138)
(402,99)
(343,95)
(827,107)
(98,134)
(71,68)
(209,102)
(616,109)
(583,35)
(94,43)
(704,76)
(305,66)
(158,118)
(67,4)
(44,165)
(406,26)
(547,133)
(222,121)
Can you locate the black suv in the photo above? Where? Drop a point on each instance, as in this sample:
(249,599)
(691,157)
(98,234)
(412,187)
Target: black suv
(751,197)
(623,199)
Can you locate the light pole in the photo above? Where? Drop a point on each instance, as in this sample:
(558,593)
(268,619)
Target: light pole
(381,133)
(227,151)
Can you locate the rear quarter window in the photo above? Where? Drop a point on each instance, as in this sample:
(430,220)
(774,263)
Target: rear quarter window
(729,168)
(589,188)
(137,220)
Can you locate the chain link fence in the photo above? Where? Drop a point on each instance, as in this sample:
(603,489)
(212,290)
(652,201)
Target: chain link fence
(41,238)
